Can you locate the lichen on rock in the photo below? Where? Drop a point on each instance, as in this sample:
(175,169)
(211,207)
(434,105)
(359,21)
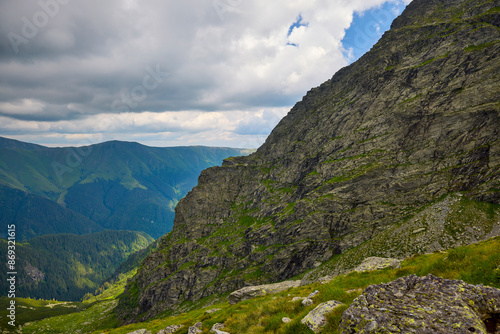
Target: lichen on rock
(261,290)
(377,263)
(317,317)
(423,305)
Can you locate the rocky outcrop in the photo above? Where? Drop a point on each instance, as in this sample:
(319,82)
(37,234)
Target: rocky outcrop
(33,273)
(317,317)
(170,329)
(397,154)
(261,290)
(196,328)
(424,305)
(377,263)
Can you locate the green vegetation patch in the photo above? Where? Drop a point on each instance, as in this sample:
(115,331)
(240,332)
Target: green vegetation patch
(479,47)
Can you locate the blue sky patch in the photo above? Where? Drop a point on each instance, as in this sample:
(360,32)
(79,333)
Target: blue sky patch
(297,24)
(367,28)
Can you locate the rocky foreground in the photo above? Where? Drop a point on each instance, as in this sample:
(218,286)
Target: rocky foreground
(411,304)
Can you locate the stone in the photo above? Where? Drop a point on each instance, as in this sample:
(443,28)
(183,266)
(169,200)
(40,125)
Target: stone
(196,328)
(170,329)
(377,263)
(140,331)
(312,294)
(323,280)
(212,310)
(307,302)
(261,290)
(286,320)
(217,329)
(423,305)
(317,317)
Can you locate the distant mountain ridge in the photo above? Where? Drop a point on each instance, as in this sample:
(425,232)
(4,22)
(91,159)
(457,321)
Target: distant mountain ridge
(112,185)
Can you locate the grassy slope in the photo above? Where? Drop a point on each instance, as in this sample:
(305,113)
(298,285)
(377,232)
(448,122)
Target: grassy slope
(475,264)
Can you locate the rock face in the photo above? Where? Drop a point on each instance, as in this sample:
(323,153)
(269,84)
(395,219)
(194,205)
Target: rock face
(397,154)
(260,290)
(424,305)
(377,263)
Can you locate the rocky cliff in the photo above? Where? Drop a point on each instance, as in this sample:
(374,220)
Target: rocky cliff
(397,154)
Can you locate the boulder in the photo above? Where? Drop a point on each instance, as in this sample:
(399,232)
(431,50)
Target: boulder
(140,331)
(286,320)
(424,305)
(196,328)
(260,290)
(377,263)
(217,329)
(170,329)
(317,317)
(307,301)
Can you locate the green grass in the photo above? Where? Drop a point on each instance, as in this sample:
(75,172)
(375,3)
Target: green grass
(33,309)
(432,60)
(475,264)
(479,47)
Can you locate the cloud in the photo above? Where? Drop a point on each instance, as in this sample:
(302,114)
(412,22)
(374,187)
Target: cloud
(71,66)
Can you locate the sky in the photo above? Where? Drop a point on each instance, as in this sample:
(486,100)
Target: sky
(168,72)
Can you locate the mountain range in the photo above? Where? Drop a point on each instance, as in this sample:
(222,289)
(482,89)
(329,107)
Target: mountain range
(113,185)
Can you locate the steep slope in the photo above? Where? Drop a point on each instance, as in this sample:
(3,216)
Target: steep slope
(114,185)
(398,153)
(66,266)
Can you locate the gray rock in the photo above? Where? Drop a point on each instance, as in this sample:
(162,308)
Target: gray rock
(217,329)
(140,331)
(377,263)
(322,280)
(212,310)
(307,301)
(286,320)
(260,290)
(170,329)
(312,294)
(423,305)
(316,318)
(196,328)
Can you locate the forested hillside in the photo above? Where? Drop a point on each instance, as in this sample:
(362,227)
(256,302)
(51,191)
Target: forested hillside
(113,185)
(67,266)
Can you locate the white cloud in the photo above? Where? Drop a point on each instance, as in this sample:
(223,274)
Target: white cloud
(229,66)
